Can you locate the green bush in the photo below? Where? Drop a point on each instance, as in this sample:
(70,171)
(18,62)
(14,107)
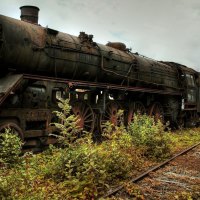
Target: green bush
(81,169)
(85,167)
(10,148)
(151,136)
(67,126)
(29,180)
(88,169)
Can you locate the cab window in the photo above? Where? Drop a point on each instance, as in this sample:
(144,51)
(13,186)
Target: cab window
(191,96)
(190,79)
(58,93)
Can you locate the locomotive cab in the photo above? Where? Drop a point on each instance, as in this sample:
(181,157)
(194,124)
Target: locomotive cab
(190,85)
(191,89)
(198,93)
(190,100)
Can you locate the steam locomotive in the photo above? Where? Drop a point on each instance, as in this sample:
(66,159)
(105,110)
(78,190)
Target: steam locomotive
(39,64)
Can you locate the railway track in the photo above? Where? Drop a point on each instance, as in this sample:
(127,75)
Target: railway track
(164,176)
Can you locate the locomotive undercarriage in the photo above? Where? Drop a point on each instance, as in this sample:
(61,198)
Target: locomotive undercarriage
(28,108)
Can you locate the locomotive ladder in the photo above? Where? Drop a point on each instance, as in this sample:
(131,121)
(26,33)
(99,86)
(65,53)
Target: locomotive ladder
(8,85)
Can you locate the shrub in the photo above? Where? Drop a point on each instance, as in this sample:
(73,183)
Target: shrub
(10,147)
(67,126)
(151,136)
(88,169)
(85,167)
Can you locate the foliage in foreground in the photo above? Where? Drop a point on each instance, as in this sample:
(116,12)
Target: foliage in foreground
(82,169)
(184,138)
(68,129)
(10,148)
(151,136)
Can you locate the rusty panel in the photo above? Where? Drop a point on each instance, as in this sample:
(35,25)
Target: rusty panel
(29,14)
(21,38)
(31,143)
(26,33)
(51,140)
(48,52)
(182,67)
(122,56)
(34,133)
(7,84)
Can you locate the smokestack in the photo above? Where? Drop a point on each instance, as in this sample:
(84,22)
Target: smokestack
(29,14)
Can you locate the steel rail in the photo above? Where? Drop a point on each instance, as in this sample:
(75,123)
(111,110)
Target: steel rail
(143,175)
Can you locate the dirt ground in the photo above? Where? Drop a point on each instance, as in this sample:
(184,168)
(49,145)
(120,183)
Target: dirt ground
(179,180)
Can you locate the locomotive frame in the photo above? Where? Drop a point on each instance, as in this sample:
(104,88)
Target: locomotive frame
(39,64)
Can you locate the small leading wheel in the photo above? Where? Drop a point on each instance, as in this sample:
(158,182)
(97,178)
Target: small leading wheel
(111,115)
(85,115)
(135,107)
(156,110)
(15,129)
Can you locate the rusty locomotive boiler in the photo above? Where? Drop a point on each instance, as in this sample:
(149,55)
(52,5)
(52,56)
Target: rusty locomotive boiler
(39,64)
(30,48)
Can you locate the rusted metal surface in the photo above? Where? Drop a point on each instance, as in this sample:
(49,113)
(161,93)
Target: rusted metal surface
(156,111)
(85,114)
(62,55)
(37,114)
(35,133)
(182,67)
(111,114)
(17,51)
(136,107)
(29,14)
(14,127)
(76,83)
(117,45)
(8,84)
(31,143)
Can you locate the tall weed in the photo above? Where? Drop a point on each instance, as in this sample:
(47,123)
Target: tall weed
(10,148)
(88,168)
(67,125)
(151,136)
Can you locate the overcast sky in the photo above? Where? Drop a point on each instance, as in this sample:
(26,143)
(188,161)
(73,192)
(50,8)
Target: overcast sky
(166,30)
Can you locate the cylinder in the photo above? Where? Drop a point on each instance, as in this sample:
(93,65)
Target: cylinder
(29,14)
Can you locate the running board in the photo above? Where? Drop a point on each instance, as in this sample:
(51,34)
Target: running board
(8,84)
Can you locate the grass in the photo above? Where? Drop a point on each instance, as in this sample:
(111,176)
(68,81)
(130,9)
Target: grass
(182,139)
(82,169)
